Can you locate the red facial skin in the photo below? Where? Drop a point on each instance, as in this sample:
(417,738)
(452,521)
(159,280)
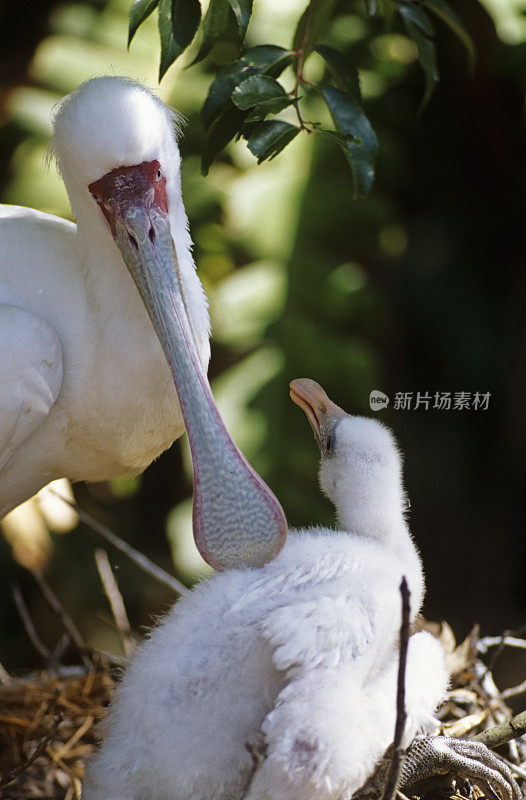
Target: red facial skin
(123,187)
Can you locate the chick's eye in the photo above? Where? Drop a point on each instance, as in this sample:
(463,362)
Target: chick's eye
(96,197)
(331,443)
(159,175)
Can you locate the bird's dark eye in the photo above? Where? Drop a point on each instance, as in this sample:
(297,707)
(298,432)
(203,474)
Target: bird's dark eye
(96,197)
(159,175)
(330,444)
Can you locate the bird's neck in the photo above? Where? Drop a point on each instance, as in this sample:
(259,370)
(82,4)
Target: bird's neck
(384,524)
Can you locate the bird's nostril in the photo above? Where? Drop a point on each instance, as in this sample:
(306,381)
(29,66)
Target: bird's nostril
(151,235)
(133,241)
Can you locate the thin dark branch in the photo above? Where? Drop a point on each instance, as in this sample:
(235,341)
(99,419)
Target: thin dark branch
(138,558)
(36,641)
(393,776)
(58,609)
(501,646)
(500,734)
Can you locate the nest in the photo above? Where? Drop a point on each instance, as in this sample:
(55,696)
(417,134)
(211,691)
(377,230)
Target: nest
(48,730)
(48,723)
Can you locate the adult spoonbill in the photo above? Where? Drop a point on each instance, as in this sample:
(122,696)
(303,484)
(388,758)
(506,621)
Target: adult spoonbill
(86,391)
(297,658)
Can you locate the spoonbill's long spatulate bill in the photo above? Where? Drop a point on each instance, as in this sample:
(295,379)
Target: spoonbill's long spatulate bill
(237,519)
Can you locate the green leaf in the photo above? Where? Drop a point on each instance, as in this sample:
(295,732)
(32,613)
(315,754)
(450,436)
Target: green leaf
(178,23)
(219,25)
(257,89)
(350,120)
(220,92)
(223,130)
(259,113)
(242,10)
(420,29)
(268,59)
(428,59)
(139,11)
(270,138)
(261,110)
(168,49)
(263,94)
(186,16)
(338,137)
(451,18)
(312,24)
(342,67)
(415,14)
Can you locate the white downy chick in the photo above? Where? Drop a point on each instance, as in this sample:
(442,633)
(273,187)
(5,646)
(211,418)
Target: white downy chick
(297,659)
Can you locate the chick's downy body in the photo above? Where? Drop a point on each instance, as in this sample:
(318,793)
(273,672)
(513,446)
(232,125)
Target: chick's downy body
(298,658)
(300,655)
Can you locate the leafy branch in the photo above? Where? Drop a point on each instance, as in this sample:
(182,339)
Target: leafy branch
(246,92)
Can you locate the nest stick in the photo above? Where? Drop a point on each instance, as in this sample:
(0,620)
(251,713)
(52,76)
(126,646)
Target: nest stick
(57,608)
(393,775)
(500,642)
(35,639)
(513,691)
(115,600)
(60,648)
(500,734)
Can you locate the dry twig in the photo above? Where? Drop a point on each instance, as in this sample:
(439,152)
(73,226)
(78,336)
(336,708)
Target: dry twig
(57,607)
(513,691)
(115,600)
(500,642)
(500,734)
(393,775)
(35,639)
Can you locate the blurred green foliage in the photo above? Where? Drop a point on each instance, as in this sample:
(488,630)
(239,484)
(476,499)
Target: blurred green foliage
(418,287)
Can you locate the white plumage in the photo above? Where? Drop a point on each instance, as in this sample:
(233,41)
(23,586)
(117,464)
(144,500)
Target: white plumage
(298,658)
(85,389)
